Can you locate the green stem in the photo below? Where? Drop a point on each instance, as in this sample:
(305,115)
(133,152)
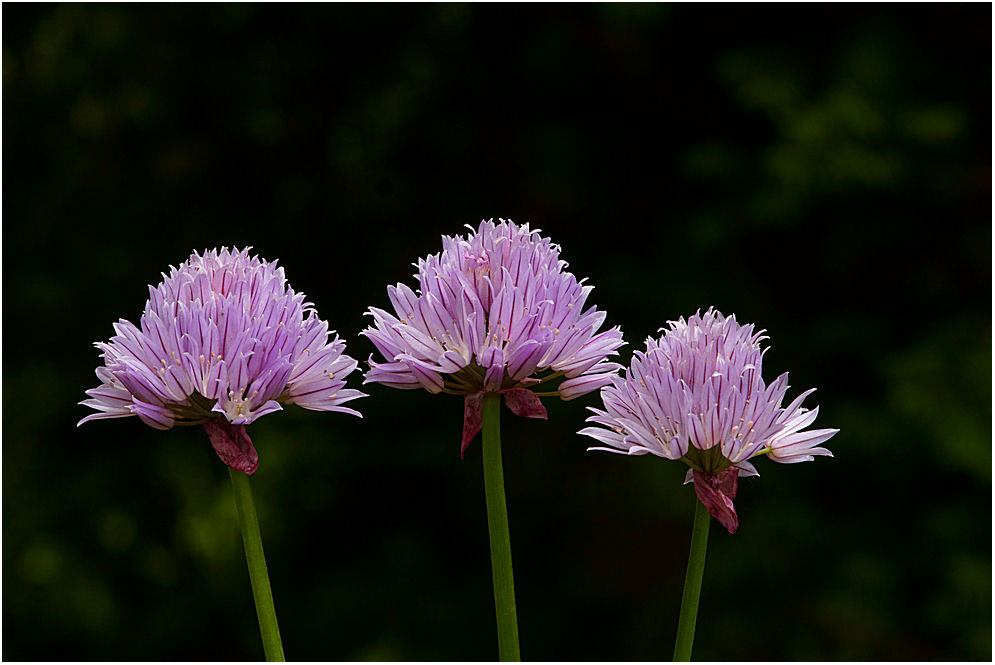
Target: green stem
(497,525)
(692,584)
(256,560)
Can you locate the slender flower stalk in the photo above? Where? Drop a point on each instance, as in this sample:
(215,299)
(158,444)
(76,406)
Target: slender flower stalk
(252,541)
(692,584)
(697,395)
(496,316)
(497,526)
(223,341)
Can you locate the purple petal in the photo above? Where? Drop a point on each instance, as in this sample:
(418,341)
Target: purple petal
(103,414)
(396,375)
(233,445)
(800,446)
(524,403)
(429,379)
(525,360)
(267,407)
(452,361)
(153,415)
(473,415)
(491,356)
(582,385)
(494,377)
(747,470)
(608,436)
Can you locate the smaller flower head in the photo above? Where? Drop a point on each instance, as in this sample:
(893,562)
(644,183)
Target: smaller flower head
(223,341)
(697,395)
(496,311)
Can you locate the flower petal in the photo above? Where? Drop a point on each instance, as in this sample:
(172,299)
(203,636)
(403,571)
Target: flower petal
(153,415)
(582,385)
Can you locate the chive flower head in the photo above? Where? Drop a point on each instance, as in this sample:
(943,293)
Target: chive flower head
(697,395)
(223,341)
(495,311)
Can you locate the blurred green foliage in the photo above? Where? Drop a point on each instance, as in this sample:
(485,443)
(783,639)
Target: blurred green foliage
(823,171)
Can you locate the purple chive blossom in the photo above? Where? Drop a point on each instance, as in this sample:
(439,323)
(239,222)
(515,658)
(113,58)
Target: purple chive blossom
(495,312)
(223,341)
(697,395)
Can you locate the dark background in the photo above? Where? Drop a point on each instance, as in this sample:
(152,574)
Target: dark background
(822,171)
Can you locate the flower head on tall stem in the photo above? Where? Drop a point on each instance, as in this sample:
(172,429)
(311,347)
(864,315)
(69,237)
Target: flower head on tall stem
(495,311)
(223,341)
(697,395)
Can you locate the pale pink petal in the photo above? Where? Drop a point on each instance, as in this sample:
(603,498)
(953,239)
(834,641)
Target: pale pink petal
(153,415)
(583,385)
